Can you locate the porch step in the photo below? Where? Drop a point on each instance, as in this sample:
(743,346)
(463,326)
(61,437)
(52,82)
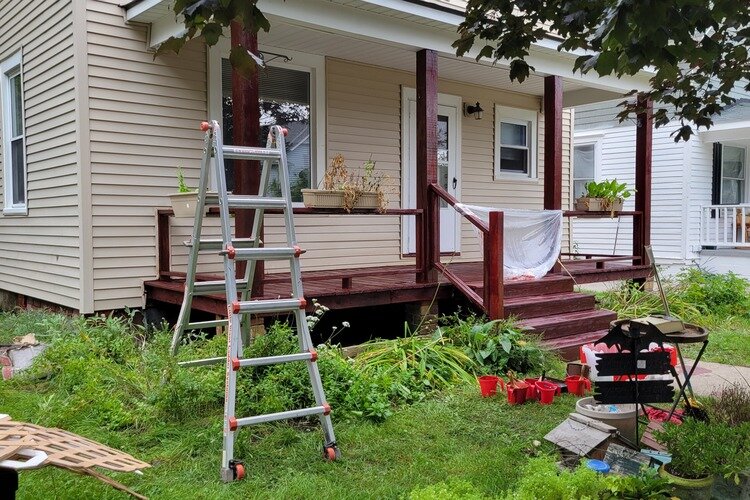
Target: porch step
(568,347)
(545,286)
(535,306)
(562,325)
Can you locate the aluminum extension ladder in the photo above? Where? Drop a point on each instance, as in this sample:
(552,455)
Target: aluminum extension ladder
(239,307)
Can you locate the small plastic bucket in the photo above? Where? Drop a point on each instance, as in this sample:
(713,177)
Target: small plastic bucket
(547,391)
(598,466)
(531,392)
(517,395)
(577,385)
(671,350)
(488,385)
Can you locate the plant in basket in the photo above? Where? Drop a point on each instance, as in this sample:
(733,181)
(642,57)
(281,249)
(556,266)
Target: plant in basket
(349,190)
(608,195)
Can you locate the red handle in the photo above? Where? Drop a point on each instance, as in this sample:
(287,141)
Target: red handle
(205,126)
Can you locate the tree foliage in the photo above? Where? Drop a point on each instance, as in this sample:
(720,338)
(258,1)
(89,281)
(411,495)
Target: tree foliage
(208,20)
(697,49)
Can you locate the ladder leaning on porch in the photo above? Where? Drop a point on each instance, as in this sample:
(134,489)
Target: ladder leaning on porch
(238,311)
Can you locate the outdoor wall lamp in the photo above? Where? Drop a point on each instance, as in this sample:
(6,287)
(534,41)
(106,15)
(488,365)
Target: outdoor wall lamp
(475,110)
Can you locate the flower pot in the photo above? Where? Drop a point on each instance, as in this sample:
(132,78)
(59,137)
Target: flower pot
(367,201)
(517,395)
(687,489)
(547,391)
(323,198)
(183,204)
(531,392)
(488,385)
(598,204)
(577,385)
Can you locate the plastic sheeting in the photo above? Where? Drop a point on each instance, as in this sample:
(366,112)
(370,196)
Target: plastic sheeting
(532,239)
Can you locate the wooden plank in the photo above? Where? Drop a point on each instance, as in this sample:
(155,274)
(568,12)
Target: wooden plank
(427,105)
(553,142)
(163,247)
(493,267)
(246,132)
(648,363)
(649,391)
(643,149)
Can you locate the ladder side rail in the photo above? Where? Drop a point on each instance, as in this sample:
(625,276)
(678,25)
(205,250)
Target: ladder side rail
(303,332)
(187,300)
(233,347)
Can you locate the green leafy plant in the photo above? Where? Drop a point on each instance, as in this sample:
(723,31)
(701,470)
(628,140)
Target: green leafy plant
(446,490)
(609,190)
(182,186)
(720,294)
(542,479)
(646,485)
(631,301)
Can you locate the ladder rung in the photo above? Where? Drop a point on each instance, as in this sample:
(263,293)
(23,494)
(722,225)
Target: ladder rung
(202,362)
(246,153)
(218,244)
(264,253)
(209,287)
(282,415)
(249,202)
(274,360)
(268,306)
(198,325)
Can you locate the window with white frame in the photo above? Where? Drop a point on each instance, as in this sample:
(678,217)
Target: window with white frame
(584,167)
(14,155)
(515,142)
(733,175)
(285,99)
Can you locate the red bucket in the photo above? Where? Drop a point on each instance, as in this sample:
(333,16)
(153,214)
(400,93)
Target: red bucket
(547,391)
(488,385)
(577,385)
(517,395)
(531,392)
(671,350)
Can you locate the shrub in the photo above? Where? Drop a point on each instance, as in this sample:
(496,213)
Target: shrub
(731,405)
(720,294)
(631,301)
(446,490)
(543,480)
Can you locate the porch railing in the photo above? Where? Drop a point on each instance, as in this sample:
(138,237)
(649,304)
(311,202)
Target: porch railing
(725,226)
(492,298)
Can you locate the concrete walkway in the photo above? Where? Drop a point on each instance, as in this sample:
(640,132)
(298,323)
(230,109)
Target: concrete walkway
(711,377)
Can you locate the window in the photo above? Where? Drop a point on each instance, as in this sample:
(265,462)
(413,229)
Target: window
(285,99)
(584,168)
(515,142)
(733,175)
(14,155)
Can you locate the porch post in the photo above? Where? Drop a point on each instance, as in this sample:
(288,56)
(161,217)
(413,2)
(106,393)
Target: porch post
(427,226)
(246,125)
(553,142)
(643,142)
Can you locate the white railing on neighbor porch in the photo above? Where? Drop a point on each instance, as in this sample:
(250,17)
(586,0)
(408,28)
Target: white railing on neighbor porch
(725,226)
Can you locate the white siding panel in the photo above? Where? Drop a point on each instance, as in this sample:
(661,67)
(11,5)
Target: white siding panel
(39,253)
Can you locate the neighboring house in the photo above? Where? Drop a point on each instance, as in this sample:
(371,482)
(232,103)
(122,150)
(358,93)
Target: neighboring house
(95,126)
(701,194)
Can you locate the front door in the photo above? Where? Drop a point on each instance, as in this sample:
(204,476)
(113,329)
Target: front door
(448,174)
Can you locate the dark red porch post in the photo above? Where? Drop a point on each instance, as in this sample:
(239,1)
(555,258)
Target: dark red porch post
(643,141)
(427,229)
(246,123)
(553,110)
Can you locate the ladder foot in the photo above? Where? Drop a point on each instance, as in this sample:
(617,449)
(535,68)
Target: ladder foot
(331,452)
(235,472)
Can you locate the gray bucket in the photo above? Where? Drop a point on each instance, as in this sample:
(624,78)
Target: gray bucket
(623,420)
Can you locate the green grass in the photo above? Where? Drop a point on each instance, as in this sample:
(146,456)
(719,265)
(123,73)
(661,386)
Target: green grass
(728,342)
(455,435)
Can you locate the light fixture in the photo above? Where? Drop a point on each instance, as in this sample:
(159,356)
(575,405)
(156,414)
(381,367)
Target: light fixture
(475,110)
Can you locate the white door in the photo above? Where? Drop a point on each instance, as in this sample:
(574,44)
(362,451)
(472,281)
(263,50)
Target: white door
(448,173)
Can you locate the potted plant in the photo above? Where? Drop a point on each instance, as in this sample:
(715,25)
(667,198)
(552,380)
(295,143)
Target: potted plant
(185,199)
(701,451)
(605,196)
(342,189)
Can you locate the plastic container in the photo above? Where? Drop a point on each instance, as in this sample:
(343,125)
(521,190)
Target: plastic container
(488,385)
(578,385)
(517,395)
(670,349)
(623,419)
(531,392)
(598,466)
(547,391)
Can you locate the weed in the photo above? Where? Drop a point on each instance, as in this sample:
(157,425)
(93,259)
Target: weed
(731,405)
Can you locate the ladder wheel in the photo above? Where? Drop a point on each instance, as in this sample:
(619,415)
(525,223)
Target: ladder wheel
(239,472)
(330,453)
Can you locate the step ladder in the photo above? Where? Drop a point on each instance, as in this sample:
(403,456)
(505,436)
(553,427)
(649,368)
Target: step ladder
(239,303)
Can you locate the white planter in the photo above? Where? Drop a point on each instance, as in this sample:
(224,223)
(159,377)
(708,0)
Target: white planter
(184,204)
(322,198)
(367,200)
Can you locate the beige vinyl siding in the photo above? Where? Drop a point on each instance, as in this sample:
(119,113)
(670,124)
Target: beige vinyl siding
(39,252)
(144,116)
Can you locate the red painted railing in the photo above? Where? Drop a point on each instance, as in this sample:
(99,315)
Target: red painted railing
(493,297)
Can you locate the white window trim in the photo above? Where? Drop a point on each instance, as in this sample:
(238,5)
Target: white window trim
(9,65)
(518,116)
(311,63)
(746,194)
(596,141)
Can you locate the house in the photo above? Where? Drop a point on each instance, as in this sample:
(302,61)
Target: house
(95,126)
(701,196)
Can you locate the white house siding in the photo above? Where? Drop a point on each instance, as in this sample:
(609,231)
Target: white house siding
(39,252)
(669,186)
(144,117)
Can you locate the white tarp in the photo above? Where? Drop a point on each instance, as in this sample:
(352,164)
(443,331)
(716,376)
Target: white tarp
(531,242)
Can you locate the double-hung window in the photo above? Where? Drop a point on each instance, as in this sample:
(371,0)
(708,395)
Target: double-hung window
(14,151)
(584,167)
(515,143)
(733,175)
